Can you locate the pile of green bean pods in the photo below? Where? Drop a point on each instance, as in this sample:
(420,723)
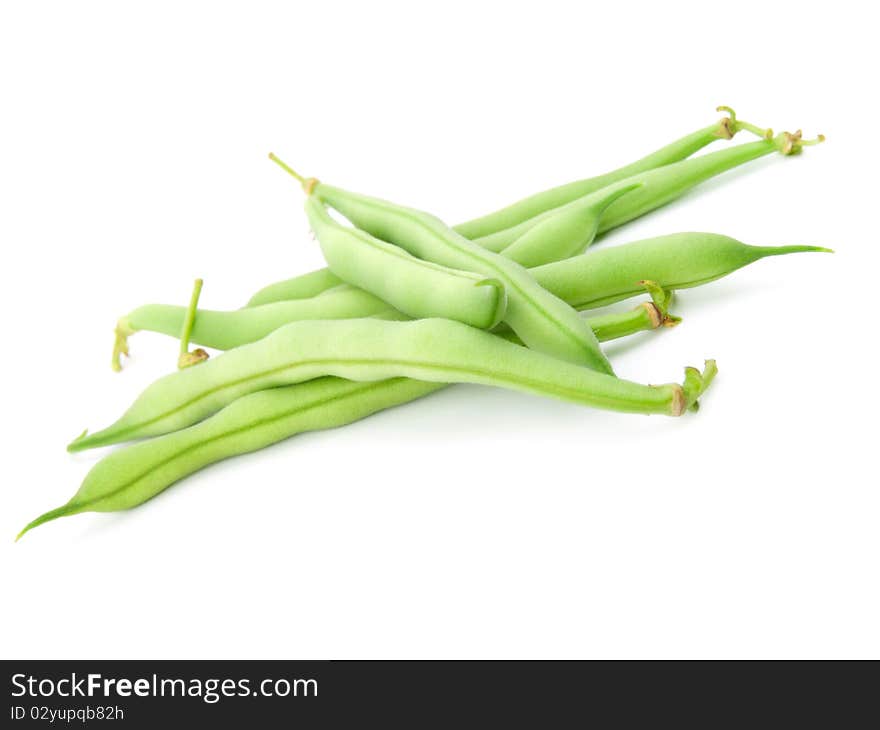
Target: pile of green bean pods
(409,305)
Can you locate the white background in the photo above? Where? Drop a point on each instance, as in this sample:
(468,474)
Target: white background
(476,523)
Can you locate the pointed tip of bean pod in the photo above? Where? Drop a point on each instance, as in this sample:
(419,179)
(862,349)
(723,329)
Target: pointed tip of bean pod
(79,443)
(82,434)
(803,249)
(52,514)
(108,436)
(785,250)
(607,197)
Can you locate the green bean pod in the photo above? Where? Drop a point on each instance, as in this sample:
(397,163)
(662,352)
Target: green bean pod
(314,282)
(675,180)
(224,330)
(411,285)
(544,322)
(299,287)
(654,188)
(436,350)
(539,203)
(568,231)
(128,477)
(675,261)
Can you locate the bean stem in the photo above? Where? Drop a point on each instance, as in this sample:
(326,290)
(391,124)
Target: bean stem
(287,168)
(308,183)
(187,358)
(120,342)
(738,124)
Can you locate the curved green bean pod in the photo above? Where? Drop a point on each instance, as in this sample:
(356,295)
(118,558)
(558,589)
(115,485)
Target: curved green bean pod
(677,179)
(538,203)
(299,287)
(314,282)
(435,350)
(544,322)
(224,330)
(675,261)
(654,188)
(411,285)
(569,231)
(130,476)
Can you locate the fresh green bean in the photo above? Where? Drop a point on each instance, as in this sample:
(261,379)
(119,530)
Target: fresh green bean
(298,287)
(541,202)
(544,322)
(675,261)
(654,188)
(436,350)
(315,282)
(130,476)
(225,330)
(569,231)
(127,477)
(658,190)
(411,285)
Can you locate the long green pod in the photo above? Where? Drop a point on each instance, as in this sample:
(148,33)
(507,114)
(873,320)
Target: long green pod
(316,281)
(436,350)
(411,285)
(652,189)
(569,231)
(298,287)
(543,321)
(130,476)
(675,180)
(224,330)
(675,261)
(538,203)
